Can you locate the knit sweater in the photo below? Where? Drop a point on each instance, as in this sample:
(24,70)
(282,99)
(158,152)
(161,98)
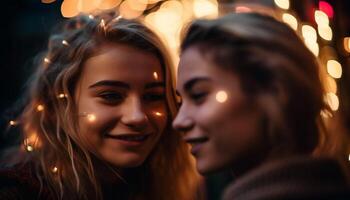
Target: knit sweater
(292,179)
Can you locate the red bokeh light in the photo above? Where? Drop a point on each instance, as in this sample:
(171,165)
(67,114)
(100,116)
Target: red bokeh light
(326,8)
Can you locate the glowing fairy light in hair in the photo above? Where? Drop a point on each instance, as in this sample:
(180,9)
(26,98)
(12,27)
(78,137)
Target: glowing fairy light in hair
(29,148)
(117,18)
(158,114)
(40,108)
(62,95)
(103,24)
(64,42)
(12,123)
(155,75)
(221,96)
(46,60)
(54,170)
(91,17)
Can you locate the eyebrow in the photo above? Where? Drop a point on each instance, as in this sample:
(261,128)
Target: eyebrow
(189,84)
(124,85)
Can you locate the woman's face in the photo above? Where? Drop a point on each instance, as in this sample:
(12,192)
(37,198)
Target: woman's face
(223,128)
(121,103)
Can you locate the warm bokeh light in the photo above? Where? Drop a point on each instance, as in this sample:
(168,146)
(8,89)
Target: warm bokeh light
(155,75)
(12,123)
(325,32)
(46,60)
(309,33)
(61,96)
(334,68)
(290,20)
(64,42)
(332,100)
(205,8)
(346,43)
(312,46)
(29,148)
(321,18)
(109,4)
(69,8)
(158,114)
(221,96)
(326,8)
(40,108)
(54,170)
(284,4)
(91,117)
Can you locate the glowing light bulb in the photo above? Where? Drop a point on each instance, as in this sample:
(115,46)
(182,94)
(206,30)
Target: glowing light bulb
(332,100)
(91,117)
(321,18)
(325,32)
(46,60)
(103,24)
(40,108)
(290,20)
(65,42)
(29,148)
(221,96)
(54,170)
(309,33)
(334,68)
(12,123)
(284,4)
(155,75)
(61,96)
(158,114)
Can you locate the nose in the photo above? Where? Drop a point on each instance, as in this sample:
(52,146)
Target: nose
(134,115)
(183,122)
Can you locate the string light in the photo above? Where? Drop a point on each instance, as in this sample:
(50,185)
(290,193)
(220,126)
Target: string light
(12,123)
(91,117)
(346,43)
(221,96)
(91,17)
(117,18)
(29,148)
(334,68)
(290,20)
(46,60)
(54,170)
(65,42)
(332,100)
(284,4)
(40,108)
(155,75)
(62,95)
(158,114)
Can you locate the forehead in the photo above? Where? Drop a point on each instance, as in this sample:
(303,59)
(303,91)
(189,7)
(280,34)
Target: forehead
(122,62)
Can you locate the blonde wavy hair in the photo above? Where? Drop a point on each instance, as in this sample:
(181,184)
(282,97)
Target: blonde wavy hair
(169,169)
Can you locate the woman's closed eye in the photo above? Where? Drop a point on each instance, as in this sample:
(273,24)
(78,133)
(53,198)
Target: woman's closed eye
(198,97)
(111,97)
(153,97)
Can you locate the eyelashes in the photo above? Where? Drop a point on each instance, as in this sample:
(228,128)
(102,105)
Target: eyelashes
(117,97)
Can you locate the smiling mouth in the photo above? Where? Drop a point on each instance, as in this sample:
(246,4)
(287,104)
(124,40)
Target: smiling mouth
(129,137)
(196,144)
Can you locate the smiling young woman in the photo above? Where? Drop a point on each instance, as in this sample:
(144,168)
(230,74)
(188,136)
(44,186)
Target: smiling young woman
(251,103)
(100,109)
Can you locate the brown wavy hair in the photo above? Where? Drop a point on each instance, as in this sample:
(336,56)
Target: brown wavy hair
(168,173)
(277,72)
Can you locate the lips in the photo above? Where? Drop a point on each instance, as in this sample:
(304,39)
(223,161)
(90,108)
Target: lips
(129,137)
(196,143)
